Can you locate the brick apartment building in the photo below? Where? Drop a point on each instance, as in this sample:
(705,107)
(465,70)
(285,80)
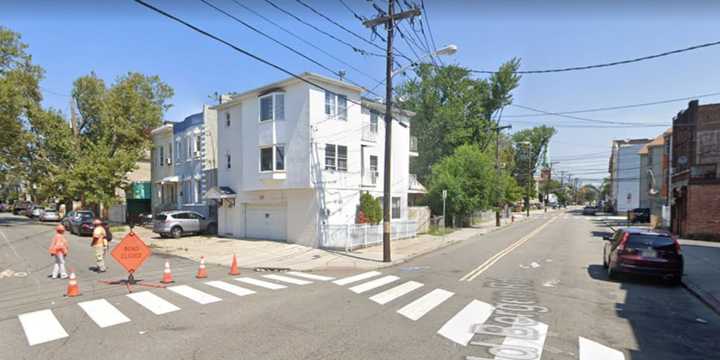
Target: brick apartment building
(695,180)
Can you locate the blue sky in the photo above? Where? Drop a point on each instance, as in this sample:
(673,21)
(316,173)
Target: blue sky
(71,38)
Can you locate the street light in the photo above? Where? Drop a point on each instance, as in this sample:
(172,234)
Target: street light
(527,204)
(445,51)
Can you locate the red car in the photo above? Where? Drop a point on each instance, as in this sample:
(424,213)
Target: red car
(644,252)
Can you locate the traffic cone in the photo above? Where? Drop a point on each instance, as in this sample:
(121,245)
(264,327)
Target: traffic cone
(167,275)
(234,267)
(73,289)
(202,272)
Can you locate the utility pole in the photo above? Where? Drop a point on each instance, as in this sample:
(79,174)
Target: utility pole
(562,186)
(389,21)
(497,171)
(530,179)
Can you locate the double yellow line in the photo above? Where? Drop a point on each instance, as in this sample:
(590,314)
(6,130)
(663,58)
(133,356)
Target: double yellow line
(495,258)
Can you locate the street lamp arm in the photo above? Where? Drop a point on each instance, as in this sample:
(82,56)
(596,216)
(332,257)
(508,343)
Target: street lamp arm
(447,50)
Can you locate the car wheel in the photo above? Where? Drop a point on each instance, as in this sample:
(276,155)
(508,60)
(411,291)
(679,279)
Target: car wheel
(211,229)
(176,232)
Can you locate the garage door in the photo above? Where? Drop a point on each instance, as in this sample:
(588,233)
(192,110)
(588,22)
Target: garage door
(267,222)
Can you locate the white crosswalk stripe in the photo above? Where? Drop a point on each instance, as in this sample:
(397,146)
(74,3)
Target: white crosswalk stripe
(152,302)
(233,289)
(396,292)
(41,326)
(194,294)
(356,278)
(287,279)
(310,276)
(103,313)
(418,308)
(590,350)
(260,283)
(359,289)
(460,328)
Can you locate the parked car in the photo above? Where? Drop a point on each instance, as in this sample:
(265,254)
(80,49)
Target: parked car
(77,218)
(20,207)
(35,211)
(644,252)
(4,207)
(178,222)
(589,210)
(66,219)
(639,215)
(86,227)
(50,215)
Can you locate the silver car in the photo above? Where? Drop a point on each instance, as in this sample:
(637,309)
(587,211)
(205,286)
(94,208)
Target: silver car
(50,215)
(179,222)
(36,212)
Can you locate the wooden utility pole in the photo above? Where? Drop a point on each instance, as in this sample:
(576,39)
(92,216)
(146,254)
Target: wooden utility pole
(389,20)
(497,171)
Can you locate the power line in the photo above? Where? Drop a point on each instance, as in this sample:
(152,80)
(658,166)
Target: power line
(618,107)
(427,22)
(353,47)
(621,62)
(309,43)
(587,119)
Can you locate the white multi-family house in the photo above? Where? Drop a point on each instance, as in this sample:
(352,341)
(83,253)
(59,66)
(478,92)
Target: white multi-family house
(295,157)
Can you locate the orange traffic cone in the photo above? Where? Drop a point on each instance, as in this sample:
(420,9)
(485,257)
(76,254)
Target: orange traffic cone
(234,267)
(202,272)
(167,275)
(73,289)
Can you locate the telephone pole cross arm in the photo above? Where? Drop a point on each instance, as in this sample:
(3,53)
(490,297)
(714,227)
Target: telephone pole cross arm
(389,21)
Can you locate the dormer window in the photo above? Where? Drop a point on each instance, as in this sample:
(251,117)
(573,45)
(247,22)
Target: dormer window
(272,107)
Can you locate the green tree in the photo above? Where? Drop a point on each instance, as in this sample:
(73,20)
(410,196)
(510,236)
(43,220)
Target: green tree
(453,108)
(530,146)
(468,176)
(371,207)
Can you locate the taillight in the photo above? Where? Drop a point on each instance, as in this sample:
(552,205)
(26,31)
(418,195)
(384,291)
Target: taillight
(677,244)
(623,242)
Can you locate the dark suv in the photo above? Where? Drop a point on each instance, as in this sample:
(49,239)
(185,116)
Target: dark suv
(639,215)
(643,252)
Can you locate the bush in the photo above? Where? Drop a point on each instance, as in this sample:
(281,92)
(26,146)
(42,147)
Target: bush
(370,210)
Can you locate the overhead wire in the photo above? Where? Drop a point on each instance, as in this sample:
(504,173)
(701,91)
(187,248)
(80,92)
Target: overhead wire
(609,64)
(587,119)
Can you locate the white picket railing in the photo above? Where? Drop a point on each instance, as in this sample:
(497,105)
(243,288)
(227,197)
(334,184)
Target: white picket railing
(352,236)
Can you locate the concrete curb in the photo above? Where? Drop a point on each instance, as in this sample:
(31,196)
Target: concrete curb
(708,299)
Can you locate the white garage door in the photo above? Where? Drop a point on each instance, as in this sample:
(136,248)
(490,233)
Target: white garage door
(267,222)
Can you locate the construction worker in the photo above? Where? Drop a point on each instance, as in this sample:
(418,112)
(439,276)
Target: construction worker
(59,250)
(100,243)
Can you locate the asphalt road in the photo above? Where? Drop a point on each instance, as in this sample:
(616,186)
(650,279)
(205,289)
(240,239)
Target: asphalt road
(532,290)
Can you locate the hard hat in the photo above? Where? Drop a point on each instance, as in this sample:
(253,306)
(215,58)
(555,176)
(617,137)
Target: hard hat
(60,228)
(97,222)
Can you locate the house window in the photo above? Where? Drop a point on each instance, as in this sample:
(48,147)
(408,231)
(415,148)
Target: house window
(161,155)
(198,191)
(395,210)
(272,107)
(178,149)
(227,119)
(198,144)
(279,157)
(373,164)
(170,154)
(188,146)
(374,115)
(228,159)
(336,157)
(336,105)
(266,159)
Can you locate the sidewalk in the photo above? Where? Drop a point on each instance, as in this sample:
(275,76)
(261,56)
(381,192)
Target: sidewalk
(702,270)
(275,254)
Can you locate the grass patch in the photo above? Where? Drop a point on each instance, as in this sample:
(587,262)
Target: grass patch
(440,231)
(119,228)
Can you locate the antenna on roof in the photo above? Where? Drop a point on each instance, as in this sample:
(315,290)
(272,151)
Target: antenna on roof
(341,75)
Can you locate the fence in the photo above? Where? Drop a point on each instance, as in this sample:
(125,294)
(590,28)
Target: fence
(353,236)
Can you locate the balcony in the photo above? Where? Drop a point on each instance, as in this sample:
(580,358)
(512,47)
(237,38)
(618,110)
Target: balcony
(369,132)
(414,186)
(370,178)
(413,146)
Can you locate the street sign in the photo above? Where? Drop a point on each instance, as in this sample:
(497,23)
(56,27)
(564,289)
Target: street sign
(131,252)
(444,194)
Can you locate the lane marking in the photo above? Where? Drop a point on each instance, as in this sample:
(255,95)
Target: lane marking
(194,294)
(495,258)
(590,350)
(41,326)
(260,283)
(233,289)
(152,302)
(396,292)
(310,276)
(536,344)
(418,308)
(287,279)
(359,289)
(358,277)
(460,328)
(103,313)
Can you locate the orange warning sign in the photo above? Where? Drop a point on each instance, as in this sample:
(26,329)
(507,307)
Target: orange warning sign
(131,252)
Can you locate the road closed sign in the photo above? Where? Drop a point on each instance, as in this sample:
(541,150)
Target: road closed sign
(131,252)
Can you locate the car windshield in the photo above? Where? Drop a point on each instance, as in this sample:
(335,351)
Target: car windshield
(639,241)
(85,215)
